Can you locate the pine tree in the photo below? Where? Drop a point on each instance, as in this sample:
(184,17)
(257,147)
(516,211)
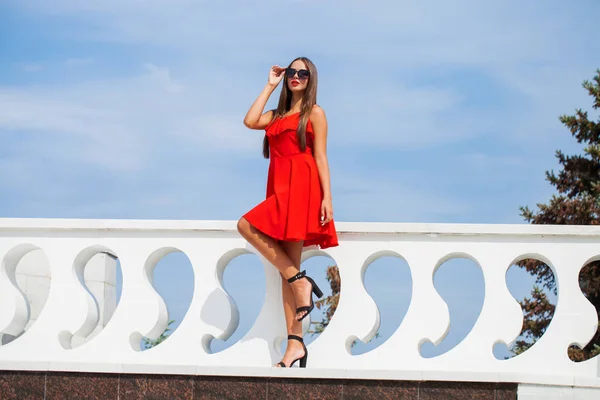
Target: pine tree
(577,203)
(150,343)
(329,303)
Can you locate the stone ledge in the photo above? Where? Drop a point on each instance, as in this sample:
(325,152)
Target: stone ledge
(77,226)
(71,385)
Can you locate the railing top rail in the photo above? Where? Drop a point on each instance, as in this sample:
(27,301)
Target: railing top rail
(345,228)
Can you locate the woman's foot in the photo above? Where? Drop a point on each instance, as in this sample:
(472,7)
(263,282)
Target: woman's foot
(296,351)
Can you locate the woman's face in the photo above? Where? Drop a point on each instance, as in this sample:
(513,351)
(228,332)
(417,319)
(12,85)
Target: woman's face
(297,76)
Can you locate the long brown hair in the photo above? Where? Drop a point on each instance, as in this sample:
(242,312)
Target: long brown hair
(309,99)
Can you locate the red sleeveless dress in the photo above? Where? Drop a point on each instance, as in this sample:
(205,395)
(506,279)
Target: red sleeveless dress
(292,209)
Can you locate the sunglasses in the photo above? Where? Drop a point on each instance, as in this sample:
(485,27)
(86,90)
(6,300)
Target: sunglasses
(302,73)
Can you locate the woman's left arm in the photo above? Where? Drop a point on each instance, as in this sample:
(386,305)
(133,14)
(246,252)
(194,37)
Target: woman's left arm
(319,124)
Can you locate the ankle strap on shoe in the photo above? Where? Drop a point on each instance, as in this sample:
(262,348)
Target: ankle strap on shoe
(299,275)
(294,337)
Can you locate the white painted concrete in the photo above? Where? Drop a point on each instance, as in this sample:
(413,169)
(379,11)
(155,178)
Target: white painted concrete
(71,311)
(33,279)
(539,392)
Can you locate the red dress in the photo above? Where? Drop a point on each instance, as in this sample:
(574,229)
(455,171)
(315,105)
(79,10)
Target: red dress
(292,209)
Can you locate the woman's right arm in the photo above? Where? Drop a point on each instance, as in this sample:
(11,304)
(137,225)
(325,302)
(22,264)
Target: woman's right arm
(255,118)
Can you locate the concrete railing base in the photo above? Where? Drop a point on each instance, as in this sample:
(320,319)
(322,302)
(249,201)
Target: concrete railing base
(71,385)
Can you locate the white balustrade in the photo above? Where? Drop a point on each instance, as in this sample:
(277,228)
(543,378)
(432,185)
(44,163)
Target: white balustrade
(71,311)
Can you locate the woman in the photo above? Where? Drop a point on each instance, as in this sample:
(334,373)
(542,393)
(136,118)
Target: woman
(297,211)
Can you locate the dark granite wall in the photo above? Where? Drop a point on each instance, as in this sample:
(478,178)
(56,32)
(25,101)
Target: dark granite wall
(58,385)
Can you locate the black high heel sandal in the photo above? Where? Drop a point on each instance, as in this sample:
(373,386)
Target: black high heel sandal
(301,359)
(314,289)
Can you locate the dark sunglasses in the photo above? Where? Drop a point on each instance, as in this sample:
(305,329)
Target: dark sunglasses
(302,73)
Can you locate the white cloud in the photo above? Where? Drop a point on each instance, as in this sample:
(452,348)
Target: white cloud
(416,33)
(393,197)
(399,116)
(32,67)
(118,124)
(378,65)
(78,62)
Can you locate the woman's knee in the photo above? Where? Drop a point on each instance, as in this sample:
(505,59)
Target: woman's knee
(242,225)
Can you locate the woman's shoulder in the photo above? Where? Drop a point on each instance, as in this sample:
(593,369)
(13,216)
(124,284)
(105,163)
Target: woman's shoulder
(317,111)
(317,114)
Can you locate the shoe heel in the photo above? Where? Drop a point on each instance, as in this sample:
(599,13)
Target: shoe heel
(303,361)
(316,290)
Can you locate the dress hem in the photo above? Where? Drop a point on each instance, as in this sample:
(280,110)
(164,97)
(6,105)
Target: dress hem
(312,241)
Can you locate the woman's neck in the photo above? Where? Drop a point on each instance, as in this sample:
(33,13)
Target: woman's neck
(296,102)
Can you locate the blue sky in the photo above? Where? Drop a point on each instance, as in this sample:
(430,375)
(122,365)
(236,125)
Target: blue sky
(438,111)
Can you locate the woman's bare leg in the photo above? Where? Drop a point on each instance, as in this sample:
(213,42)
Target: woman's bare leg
(274,253)
(294,327)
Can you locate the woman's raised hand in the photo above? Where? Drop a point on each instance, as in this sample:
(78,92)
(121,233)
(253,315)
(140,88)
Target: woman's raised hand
(276,75)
